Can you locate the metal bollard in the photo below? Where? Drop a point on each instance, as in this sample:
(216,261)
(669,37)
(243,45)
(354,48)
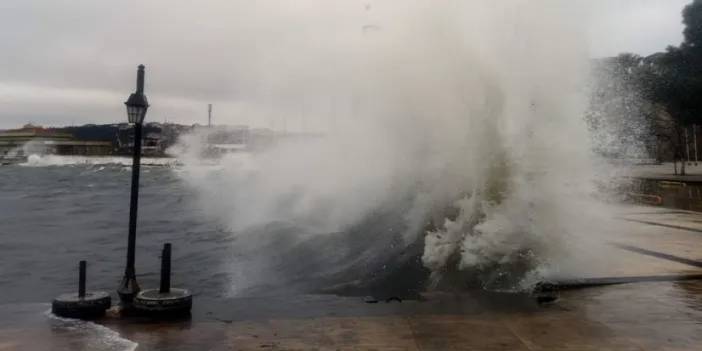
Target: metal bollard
(81,279)
(165,269)
(84,304)
(166,301)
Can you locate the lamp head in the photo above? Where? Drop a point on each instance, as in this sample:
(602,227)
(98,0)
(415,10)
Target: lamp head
(137,104)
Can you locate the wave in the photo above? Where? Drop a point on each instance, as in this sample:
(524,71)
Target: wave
(94,336)
(56,160)
(24,326)
(484,160)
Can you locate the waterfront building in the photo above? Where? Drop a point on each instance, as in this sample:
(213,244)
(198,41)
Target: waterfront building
(32,139)
(151,145)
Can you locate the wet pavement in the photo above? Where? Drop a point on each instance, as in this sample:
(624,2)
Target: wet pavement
(666,172)
(649,249)
(652,316)
(648,316)
(658,185)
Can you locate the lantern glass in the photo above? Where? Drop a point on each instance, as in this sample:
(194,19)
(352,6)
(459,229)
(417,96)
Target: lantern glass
(136,114)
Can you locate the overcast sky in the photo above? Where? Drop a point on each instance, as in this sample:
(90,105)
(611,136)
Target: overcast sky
(68,62)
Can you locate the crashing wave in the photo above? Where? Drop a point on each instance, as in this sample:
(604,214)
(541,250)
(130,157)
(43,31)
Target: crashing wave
(35,160)
(474,109)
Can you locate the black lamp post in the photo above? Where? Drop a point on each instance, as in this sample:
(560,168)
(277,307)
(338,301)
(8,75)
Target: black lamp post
(136,111)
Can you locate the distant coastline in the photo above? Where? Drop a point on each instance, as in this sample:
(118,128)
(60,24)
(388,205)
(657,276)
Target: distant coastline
(117,140)
(87,140)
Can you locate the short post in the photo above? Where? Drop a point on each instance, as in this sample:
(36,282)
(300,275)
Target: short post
(165,269)
(81,279)
(694,137)
(83,304)
(687,148)
(165,301)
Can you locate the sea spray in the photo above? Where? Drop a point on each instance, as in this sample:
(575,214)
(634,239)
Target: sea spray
(474,108)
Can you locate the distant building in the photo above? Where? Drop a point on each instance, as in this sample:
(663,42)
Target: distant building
(221,140)
(151,145)
(32,139)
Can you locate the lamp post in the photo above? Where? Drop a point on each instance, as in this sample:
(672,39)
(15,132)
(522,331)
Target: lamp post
(137,105)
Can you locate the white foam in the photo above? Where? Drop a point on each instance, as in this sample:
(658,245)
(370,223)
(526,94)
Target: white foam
(94,336)
(56,160)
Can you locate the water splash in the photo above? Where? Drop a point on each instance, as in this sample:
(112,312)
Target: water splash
(89,335)
(465,117)
(32,326)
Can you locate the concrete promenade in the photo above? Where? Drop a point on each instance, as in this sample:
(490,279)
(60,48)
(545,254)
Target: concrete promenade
(666,172)
(655,246)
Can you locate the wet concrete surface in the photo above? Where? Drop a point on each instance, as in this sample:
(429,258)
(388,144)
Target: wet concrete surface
(648,316)
(683,194)
(666,172)
(643,315)
(636,313)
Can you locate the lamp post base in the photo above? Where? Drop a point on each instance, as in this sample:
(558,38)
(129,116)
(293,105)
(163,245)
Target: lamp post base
(128,289)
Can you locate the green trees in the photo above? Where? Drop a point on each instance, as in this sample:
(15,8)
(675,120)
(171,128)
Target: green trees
(673,81)
(692,18)
(679,71)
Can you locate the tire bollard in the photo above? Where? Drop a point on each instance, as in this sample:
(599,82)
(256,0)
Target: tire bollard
(164,301)
(83,304)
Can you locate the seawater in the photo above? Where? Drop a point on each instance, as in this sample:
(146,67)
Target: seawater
(54,214)
(56,211)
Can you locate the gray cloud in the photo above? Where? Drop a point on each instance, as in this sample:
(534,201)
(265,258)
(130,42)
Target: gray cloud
(73,61)
(639,26)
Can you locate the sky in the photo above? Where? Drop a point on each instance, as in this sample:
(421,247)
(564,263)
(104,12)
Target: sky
(71,62)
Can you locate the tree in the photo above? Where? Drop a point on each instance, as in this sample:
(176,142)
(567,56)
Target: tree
(692,18)
(674,80)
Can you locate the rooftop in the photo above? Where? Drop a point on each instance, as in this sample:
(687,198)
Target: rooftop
(32,131)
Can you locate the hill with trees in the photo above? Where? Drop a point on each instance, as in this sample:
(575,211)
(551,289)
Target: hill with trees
(650,105)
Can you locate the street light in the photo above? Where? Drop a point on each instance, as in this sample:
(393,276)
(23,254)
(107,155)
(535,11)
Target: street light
(136,111)
(137,103)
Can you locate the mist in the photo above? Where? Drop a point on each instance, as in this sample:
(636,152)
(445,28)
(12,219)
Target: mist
(467,119)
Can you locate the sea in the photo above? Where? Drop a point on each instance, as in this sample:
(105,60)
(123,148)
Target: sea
(56,211)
